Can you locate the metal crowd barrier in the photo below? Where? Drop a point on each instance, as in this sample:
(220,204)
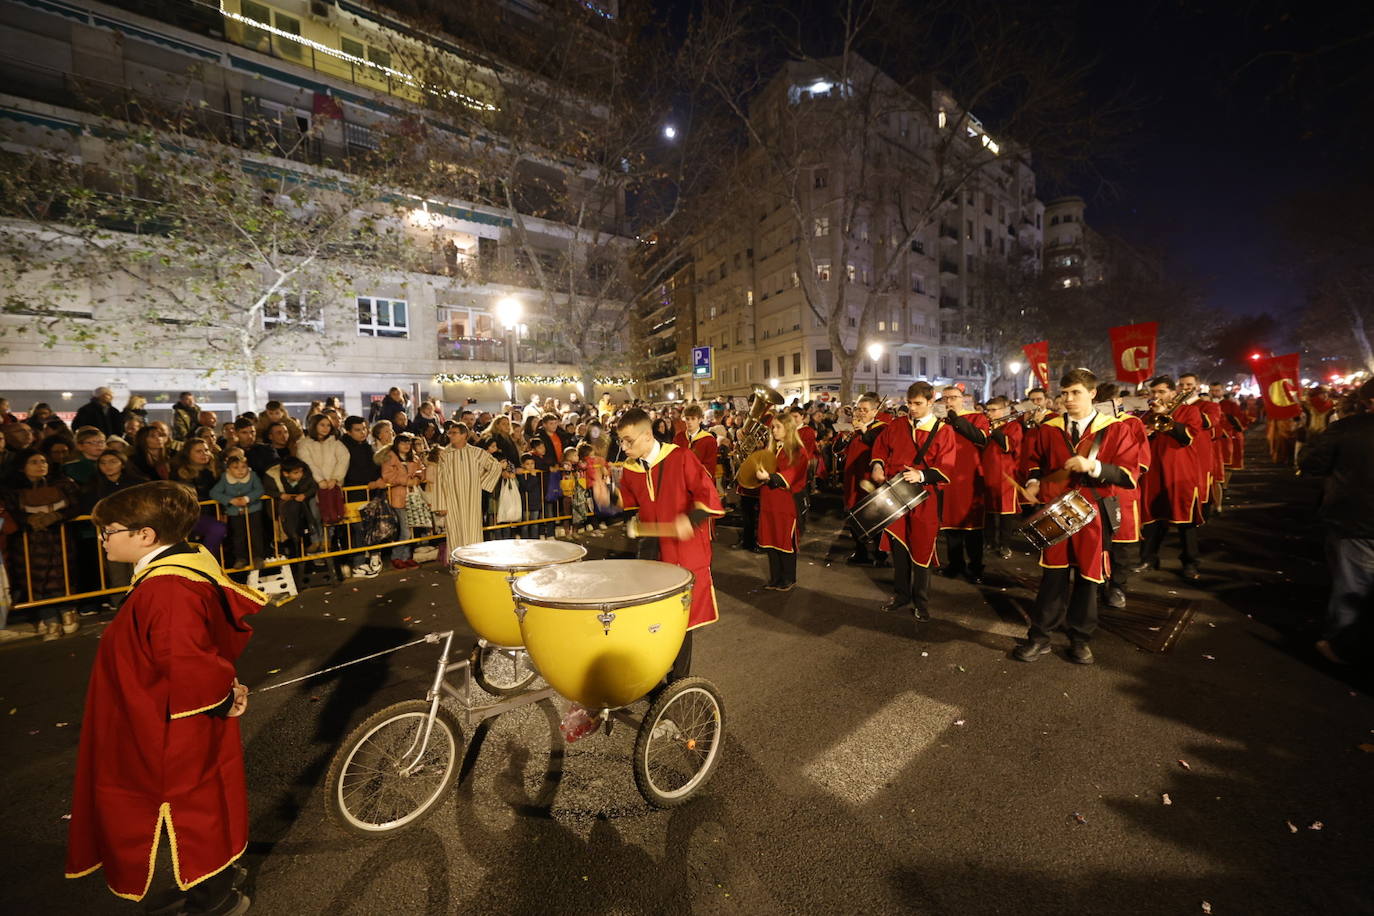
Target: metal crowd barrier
(69,539)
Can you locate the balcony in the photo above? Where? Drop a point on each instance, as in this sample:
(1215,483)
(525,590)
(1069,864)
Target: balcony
(949,302)
(949,267)
(949,232)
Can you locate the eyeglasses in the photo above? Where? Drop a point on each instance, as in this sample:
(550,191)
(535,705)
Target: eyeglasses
(107,533)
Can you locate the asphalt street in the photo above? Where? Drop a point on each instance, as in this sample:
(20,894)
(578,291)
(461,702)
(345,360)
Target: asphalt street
(869,767)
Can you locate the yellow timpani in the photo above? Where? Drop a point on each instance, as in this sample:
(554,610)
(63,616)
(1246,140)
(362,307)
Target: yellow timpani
(604,632)
(486,572)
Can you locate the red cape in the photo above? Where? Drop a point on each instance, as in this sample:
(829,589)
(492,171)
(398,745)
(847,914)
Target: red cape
(150,759)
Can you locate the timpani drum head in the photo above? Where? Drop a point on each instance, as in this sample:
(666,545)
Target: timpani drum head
(517,553)
(594,583)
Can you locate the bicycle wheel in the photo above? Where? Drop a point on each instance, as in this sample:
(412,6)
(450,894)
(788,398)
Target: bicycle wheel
(679,742)
(368,790)
(500,671)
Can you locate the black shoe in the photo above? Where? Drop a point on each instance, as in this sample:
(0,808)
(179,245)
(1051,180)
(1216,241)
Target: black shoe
(880,560)
(1145,567)
(895,605)
(1080,654)
(1004,552)
(756,549)
(952,572)
(859,558)
(1030,650)
(920,613)
(975,576)
(1114,597)
(1191,574)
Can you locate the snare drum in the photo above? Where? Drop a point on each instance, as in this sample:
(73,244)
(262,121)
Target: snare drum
(604,632)
(486,571)
(889,502)
(1063,518)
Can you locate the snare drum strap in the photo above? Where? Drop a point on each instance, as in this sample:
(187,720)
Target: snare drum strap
(1108,507)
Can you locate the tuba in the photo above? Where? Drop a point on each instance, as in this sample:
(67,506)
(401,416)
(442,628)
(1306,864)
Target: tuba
(754,438)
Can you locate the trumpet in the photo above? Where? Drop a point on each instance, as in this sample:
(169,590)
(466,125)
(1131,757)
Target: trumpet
(754,438)
(1015,413)
(1159,422)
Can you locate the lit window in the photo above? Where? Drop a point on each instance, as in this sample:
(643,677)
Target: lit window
(291,309)
(849,272)
(941,119)
(882,325)
(382,317)
(820,178)
(820,226)
(823,271)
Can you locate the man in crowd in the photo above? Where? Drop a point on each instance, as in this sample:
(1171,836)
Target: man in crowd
(100,413)
(260,455)
(274,412)
(185,417)
(464,472)
(1344,456)
(1171,491)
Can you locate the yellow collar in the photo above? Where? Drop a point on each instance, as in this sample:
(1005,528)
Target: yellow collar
(925,424)
(1099,422)
(201,561)
(655,457)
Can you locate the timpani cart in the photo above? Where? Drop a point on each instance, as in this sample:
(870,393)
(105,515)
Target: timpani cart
(602,634)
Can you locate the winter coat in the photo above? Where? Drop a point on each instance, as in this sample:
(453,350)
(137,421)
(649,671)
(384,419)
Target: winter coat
(226,490)
(184,421)
(327,459)
(103,417)
(400,476)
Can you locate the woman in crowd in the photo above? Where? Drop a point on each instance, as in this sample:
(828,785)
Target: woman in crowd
(113,474)
(195,466)
(58,449)
(382,436)
(39,414)
(663,430)
(402,471)
(507,449)
(132,424)
(779,498)
(135,407)
(40,501)
(151,457)
(327,459)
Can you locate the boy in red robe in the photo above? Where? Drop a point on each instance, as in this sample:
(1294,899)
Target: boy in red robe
(1125,549)
(1000,460)
(1093,453)
(160,751)
(1171,493)
(676,499)
(961,502)
(902,449)
(858,455)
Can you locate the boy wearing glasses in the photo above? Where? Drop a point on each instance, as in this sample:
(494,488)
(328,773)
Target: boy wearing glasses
(160,758)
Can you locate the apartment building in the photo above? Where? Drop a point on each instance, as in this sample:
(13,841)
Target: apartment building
(329,79)
(761,277)
(1077,255)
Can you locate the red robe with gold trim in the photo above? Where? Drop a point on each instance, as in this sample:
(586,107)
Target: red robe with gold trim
(1170,491)
(895,450)
(674,485)
(961,502)
(1048,451)
(1216,434)
(1235,421)
(858,455)
(1131,522)
(704,446)
(778,505)
(152,764)
(1001,459)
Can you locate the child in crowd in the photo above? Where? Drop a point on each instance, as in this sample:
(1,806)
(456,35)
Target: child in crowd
(90,444)
(240,492)
(531,493)
(298,511)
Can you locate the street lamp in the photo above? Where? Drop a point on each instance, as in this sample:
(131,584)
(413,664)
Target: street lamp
(875,350)
(509,311)
(1015,367)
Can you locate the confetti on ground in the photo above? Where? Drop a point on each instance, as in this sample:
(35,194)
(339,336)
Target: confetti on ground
(1210,658)
(962,669)
(65,817)
(33,731)
(1315,825)
(1166,799)
(64,725)
(958,721)
(1292,827)
(1212,625)
(1079,819)
(1206,907)
(14,710)
(273,670)
(1184,764)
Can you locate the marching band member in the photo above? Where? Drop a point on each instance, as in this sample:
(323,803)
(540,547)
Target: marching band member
(858,456)
(1096,453)
(1205,445)
(675,498)
(1236,423)
(1000,461)
(700,442)
(961,510)
(920,448)
(1040,400)
(1125,548)
(1169,492)
(780,515)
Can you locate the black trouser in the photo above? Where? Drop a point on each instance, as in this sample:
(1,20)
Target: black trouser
(911,582)
(1154,539)
(1001,530)
(782,566)
(1065,597)
(1124,556)
(749,513)
(204,897)
(965,550)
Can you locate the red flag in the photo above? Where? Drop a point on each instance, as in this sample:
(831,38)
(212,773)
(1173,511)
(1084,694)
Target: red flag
(1038,355)
(1278,383)
(1133,351)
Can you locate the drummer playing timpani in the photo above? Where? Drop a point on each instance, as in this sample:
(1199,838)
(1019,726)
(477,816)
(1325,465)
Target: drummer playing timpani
(1091,452)
(921,449)
(675,497)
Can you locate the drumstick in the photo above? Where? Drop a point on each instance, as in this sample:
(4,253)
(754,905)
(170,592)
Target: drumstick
(1058,476)
(1019,489)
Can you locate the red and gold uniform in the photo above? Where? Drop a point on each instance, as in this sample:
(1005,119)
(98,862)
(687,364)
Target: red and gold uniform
(1235,423)
(894,451)
(858,456)
(1209,454)
(670,483)
(779,524)
(1170,492)
(159,761)
(1048,451)
(961,503)
(1000,461)
(1139,466)
(704,446)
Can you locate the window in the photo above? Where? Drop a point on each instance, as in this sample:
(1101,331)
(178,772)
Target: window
(1001,246)
(849,272)
(766,364)
(882,325)
(820,178)
(256,38)
(292,309)
(825,361)
(987,202)
(959,365)
(382,317)
(291,26)
(352,47)
(822,273)
(748,297)
(918,283)
(796,280)
(968,229)
(379,57)
(1054,221)
(820,226)
(923,365)
(987,237)
(968,262)
(944,366)
(1037,221)
(863,231)
(918,246)
(796,364)
(904,365)
(887,364)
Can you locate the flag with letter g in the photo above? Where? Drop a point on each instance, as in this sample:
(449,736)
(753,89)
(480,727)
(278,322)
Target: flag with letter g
(1278,383)
(1038,355)
(1133,351)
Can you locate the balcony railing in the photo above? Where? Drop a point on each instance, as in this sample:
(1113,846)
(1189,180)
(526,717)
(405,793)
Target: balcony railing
(949,267)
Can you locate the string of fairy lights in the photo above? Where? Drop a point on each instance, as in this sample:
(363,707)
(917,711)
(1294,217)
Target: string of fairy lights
(488,378)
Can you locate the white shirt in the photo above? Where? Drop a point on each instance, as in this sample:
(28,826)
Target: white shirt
(150,557)
(653,453)
(1083,426)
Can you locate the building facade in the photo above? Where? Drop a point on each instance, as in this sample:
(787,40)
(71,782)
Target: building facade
(1077,255)
(329,80)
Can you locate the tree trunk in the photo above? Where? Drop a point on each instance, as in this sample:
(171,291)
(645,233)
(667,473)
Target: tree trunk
(589,386)
(847,367)
(1361,335)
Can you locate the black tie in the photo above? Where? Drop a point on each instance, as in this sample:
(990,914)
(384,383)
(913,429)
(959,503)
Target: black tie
(1073,432)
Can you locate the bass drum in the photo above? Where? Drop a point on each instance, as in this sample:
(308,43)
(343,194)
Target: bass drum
(889,502)
(486,571)
(1061,519)
(603,633)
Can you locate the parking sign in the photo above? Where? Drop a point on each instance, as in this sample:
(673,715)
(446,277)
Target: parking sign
(701,362)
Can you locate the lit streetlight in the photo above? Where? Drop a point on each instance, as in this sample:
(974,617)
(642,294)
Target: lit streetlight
(1015,367)
(509,311)
(875,350)
(670,132)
